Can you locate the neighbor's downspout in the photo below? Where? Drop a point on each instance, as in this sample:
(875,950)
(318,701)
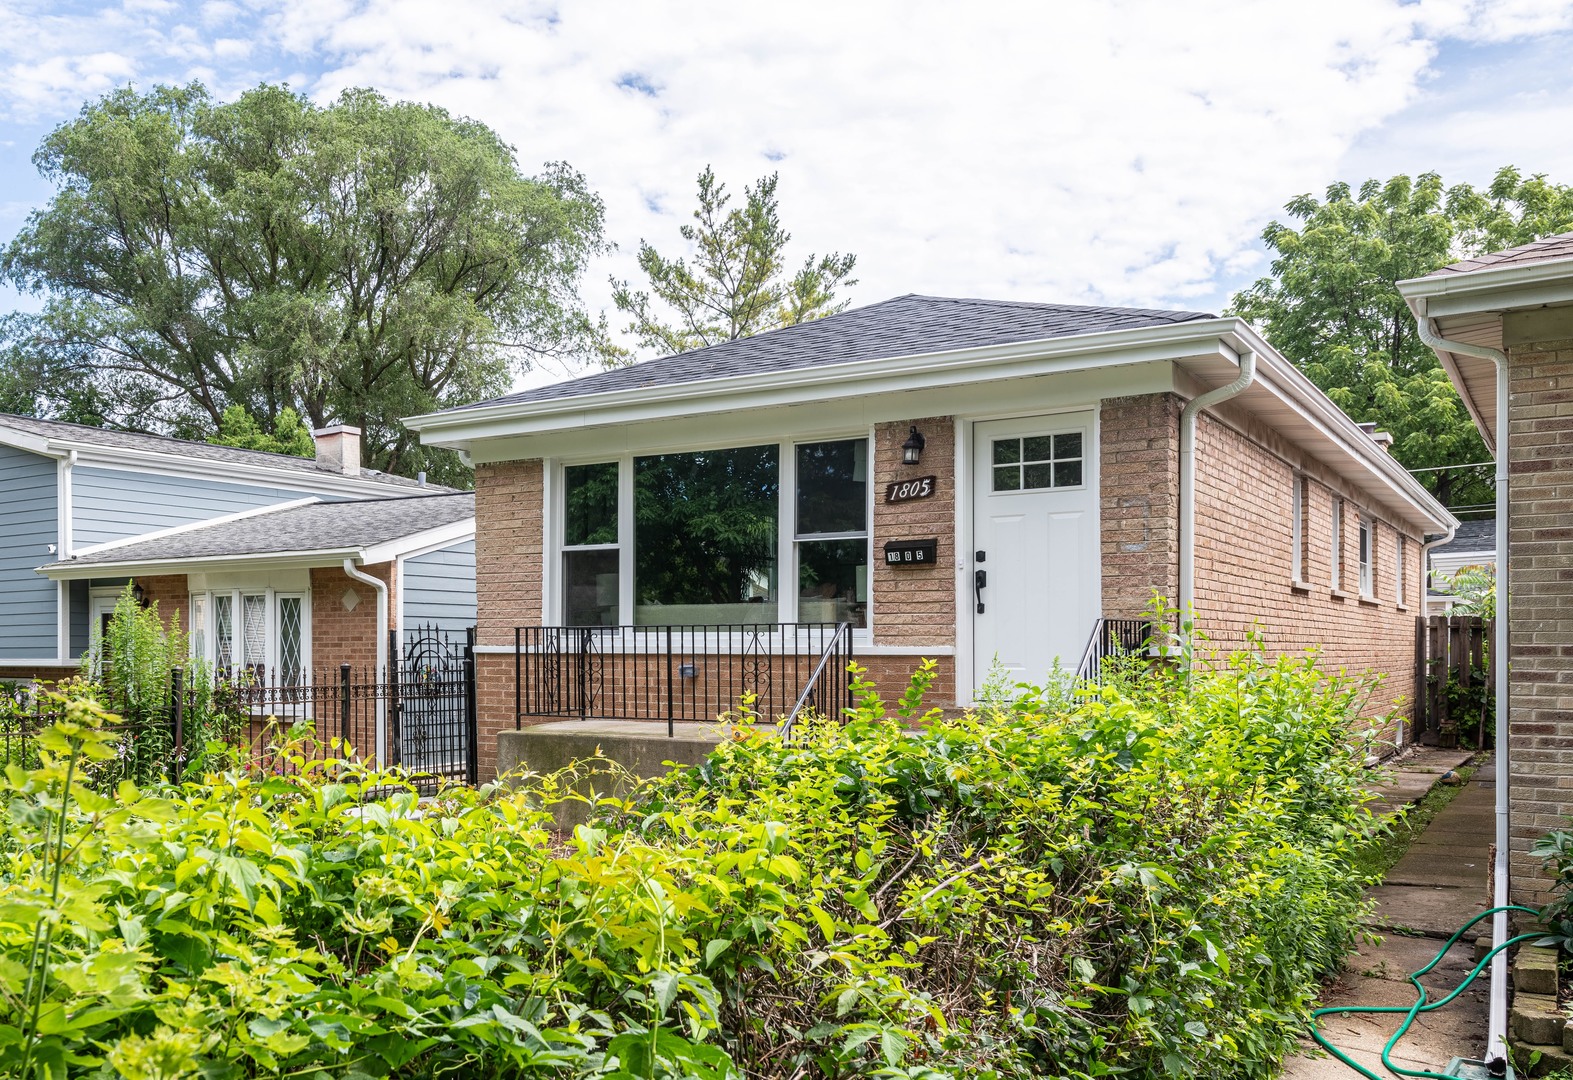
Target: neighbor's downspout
(1496,1034)
(1188,417)
(382,652)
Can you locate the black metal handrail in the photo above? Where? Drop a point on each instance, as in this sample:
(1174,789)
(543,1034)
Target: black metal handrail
(668,672)
(836,658)
(1110,638)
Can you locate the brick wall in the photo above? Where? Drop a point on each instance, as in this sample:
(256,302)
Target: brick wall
(1244,554)
(174,602)
(1139,468)
(347,635)
(509,548)
(1540,568)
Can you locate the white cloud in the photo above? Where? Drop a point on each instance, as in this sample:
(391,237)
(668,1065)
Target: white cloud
(1127,151)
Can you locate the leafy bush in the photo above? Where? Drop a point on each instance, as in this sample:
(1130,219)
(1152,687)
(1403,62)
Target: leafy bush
(1147,883)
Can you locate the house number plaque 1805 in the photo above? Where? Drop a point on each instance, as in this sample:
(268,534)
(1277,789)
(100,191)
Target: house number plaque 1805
(911,552)
(901,491)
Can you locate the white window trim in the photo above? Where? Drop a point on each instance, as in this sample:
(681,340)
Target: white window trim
(271,650)
(1400,543)
(554,607)
(1367,554)
(1297,528)
(1338,544)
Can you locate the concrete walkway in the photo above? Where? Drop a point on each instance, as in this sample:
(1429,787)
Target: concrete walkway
(1439,884)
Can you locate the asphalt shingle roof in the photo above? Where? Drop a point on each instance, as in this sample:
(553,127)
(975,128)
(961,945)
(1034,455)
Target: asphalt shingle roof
(160,444)
(1546,249)
(905,326)
(349,523)
(1477,534)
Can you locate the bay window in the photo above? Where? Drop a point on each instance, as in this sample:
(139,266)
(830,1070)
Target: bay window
(707,533)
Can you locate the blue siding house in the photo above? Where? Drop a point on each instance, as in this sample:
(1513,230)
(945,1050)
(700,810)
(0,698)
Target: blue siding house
(82,505)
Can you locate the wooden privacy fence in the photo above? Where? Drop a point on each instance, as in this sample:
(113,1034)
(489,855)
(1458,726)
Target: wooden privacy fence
(1454,681)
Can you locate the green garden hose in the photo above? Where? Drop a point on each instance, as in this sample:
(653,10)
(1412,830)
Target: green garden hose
(1420,1005)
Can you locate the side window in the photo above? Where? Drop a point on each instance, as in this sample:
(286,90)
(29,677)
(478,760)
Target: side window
(590,549)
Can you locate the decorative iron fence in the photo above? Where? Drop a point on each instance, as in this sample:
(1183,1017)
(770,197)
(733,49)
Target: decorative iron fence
(674,673)
(418,714)
(1112,638)
(1455,684)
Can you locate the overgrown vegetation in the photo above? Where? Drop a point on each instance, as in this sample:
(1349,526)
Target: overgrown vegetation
(1395,835)
(1146,883)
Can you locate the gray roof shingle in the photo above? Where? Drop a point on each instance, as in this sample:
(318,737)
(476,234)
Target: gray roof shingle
(1477,534)
(161,444)
(904,326)
(322,526)
(1546,249)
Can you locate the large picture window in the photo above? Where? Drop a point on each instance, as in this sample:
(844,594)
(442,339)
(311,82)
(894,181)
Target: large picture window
(714,534)
(705,537)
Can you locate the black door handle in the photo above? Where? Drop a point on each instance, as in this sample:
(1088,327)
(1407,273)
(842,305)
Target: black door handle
(980,578)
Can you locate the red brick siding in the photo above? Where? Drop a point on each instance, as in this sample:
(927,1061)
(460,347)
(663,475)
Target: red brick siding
(509,548)
(916,606)
(339,636)
(1139,471)
(1244,562)
(1540,570)
(174,602)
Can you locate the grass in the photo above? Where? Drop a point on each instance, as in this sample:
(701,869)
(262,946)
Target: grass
(1398,832)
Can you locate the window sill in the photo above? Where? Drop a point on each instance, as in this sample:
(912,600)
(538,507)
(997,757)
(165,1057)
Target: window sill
(1300,586)
(1338,594)
(1401,607)
(1370,601)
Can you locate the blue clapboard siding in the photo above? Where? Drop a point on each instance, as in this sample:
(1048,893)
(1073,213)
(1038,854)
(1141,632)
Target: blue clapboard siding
(81,610)
(112,505)
(28,530)
(439,587)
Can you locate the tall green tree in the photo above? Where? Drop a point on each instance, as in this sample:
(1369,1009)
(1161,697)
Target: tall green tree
(735,282)
(357,261)
(239,428)
(1330,304)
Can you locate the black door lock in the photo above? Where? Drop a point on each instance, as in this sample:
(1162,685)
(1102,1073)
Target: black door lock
(980,578)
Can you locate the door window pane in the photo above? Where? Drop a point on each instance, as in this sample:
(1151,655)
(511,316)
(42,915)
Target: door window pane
(833,581)
(590,587)
(1038,462)
(832,487)
(590,504)
(705,537)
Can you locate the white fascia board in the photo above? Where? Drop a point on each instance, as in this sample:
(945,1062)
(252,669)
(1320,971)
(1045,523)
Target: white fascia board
(1295,389)
(173,464)
(293,560)
(1493,288)
(422,542)
(807,385)
(193,526)
(26,440)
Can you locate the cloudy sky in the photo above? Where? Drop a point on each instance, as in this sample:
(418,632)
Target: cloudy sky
(1097,151)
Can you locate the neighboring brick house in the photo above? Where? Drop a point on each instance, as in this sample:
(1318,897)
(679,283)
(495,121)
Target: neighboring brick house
(1502,326)
(766,481)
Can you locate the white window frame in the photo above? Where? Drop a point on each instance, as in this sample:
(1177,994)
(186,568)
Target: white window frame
(786,523)
(271,649)
(1398,569)
(1365,549)
(1297,528)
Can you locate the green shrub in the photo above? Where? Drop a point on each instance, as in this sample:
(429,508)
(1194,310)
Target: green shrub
(1147,883)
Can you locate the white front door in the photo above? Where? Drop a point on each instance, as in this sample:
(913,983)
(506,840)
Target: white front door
(1035,544)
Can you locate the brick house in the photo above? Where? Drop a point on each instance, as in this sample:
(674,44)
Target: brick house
(1502,326)
(970,481)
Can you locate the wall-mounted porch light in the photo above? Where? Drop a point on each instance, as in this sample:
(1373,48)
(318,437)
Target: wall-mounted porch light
(912,449)
(139,594)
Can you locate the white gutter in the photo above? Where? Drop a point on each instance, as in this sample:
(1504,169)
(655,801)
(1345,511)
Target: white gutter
(1188,417)
(382,652)
(1496,1035)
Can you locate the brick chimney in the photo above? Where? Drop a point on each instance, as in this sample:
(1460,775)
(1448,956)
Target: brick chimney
(338,449)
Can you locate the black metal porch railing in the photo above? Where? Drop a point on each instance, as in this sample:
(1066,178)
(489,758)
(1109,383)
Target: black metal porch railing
(1111,638)
(672,673)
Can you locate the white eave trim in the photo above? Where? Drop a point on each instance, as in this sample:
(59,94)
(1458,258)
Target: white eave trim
(292,560)
(422,542)
(1519,285)
(803,385)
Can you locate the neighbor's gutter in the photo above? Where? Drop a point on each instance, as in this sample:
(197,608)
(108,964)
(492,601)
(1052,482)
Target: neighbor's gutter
(1188,417)
(1496,1035)
(382,673)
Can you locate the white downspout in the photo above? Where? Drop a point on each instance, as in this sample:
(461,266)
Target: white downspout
(382,674)
(1496,1033)
(1188,417)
